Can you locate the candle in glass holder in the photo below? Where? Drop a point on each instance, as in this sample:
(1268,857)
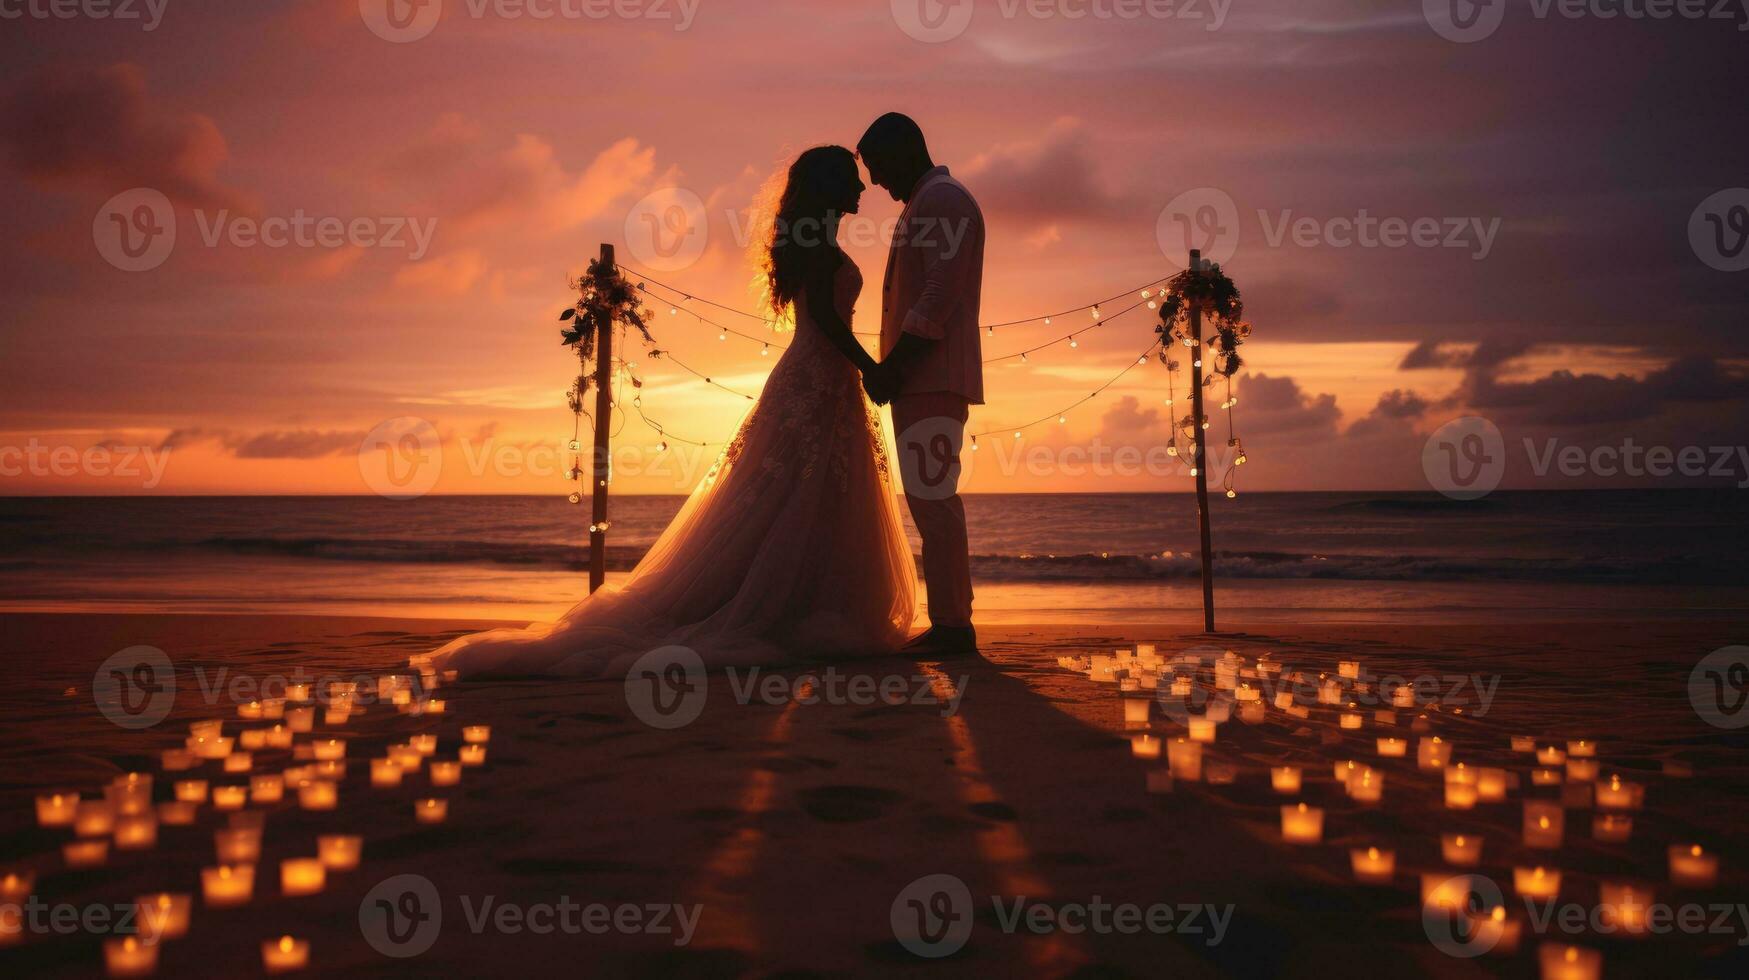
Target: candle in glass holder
(163,916)
(1623,906)
(249,710)
(136,832)
(1340,771)
(1537,882)
(424,744)
(85,853)
(472,755)
(1490,785)
(1348,668)
(1560,961)
(210,746)
(1184,759)
(339,852)
(329,749)
(1350,720)
(230,797)
(407,757)
(15,886)
(1372,865)
(318,794)
(1545,777)
(297,692)
(227,884)
(1302,824)
(1691,866)
(176,760)
(177,813)
(337,715)
(1495,932)
(237,845)
(239,762)
(1460,796)
(1582,749)
(1617,795)
(385,772)
(1461,850)
(1551,755)
(1544,823)
(93,818)
(477,734)
(191,790)
(1446,892)
(1581,770)
(1144,746)
(334,770)
(285,954)
(1432,753)
(1367,785)
(127,956)
(1612,828)
(130,794)
(1135,712)
(1524,743)
(279,737)
(1285,779)
(57,809)
(434,810)
(251,739)
(450,773)
(266,788)
(1393,748)
(300,720)
(302,876)
(1202,730)
(1403,697)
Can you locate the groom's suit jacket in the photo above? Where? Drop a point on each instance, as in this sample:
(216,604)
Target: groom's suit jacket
(933,285)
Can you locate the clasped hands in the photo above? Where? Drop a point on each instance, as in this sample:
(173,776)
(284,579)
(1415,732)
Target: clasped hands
(881,381)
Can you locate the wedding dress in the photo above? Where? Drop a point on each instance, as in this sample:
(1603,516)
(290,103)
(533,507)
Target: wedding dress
(789,549)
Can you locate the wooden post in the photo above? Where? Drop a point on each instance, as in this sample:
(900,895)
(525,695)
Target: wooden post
(603,457)
(1202,463)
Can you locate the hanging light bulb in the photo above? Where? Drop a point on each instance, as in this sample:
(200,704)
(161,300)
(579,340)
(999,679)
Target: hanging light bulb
(1073,343)
(1153,305)
(1047,321)
(575,445)
(1171,450)
(576,497)
(974,444)
(1193,471)
(1061,419)
(990,330)
(663,447)
(1017,433)
(1146,293)
(1095,311)
(1231,494)
(672,311)
(724,335)
(1196,363)
(765,351)
(1023,357)
(1142,360)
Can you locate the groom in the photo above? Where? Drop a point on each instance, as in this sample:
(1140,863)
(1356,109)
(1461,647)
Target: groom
(931,368)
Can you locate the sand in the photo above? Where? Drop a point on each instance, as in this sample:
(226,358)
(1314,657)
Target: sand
(792,827)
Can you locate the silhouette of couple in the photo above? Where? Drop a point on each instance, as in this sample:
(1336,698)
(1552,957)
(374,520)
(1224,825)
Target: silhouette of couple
(791,547)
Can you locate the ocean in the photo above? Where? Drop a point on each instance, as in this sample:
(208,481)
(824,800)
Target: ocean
(1038,558)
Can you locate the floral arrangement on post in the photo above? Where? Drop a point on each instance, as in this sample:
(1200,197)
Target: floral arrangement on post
(1212,291)
(604,299)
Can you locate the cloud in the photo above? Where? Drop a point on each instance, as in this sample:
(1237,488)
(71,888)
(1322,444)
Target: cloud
(446,275)
(1049,180)
(528,182)
(1273,405)
(97,127)
(1394,414)
(297,444)
(1565,398)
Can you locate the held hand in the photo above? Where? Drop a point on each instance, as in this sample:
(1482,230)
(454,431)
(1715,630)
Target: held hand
(881,383)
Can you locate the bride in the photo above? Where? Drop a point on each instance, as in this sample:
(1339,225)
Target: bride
(790,548)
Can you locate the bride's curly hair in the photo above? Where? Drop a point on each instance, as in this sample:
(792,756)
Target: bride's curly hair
(794,241)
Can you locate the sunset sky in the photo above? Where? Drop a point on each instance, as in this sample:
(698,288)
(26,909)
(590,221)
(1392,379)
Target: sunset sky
(1581,147)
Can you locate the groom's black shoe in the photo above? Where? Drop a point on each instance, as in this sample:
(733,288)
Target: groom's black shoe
(942,642)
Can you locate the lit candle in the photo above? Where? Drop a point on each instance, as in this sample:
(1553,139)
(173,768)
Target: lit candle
(450,773)
(1617,795)
(1612,828)
(251,739)
(1490,785)
(267,788)
(472,755)
(136,832)
(1202,730)
(1340,771)
(1135,712)
(210,746)
(1446,892)
(334,770)
(1537,882)
(1560,961)
(1461,850)
(385,772)
(285,954)
(1622,906)
(1581,770)
(1582,749)
(1460,796)
(1496,933)
(1372,865)
(279,737)
(1524,743)
(300,719)
(130,794)
(1348,668)
(227,884)
(1367,785)
(249,711)
(177,813)
(15,886)
(337,714)
(1142,747)
(1285,779)
(1690,866)
(1393,748)
(239,762)
(339,852)
(230,797)
(85,853)
(1550,756)
(297,692)
(237,845)
(330,748)
(433,810)
(1432,753)
(477,734)
(1184,758)
(1544,823)
(318,794)
(1545,777)
(1403,697)
(191,790)
(424,744)
(163,916)
(272,709)
(1351,720)
(302,876)
(1302,824)
(57,809)
(94,818)
(127,956)
(407,757)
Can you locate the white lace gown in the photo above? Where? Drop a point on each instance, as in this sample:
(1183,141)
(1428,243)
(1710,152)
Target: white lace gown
(790,549)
